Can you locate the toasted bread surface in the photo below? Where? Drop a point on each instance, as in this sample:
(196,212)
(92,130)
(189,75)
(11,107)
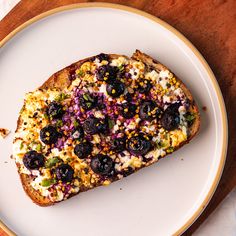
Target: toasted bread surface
(61,80)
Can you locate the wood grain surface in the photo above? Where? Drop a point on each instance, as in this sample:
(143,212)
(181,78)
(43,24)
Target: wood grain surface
(209,25)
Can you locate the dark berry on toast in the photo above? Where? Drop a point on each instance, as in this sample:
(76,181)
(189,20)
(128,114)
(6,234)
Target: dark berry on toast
(107,73)
(77,132)
(87,101)
(118,144)
(90,125)
(128,110)
(144,86)
(102,57)
(64,172)
(128,97)
(93,125)
(170,119)
(83,149)
(149,110)
(128,171)
(139,145)
(49,135)
(103,125)
(102,165)
(55,110)
(33,160)
(115,89)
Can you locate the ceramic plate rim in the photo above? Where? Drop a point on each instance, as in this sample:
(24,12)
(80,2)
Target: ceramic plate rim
(214,185)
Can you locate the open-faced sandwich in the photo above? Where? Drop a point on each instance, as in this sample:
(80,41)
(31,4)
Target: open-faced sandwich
(97,121)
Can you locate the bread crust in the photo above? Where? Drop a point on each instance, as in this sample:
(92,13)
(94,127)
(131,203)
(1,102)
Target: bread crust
(61,80)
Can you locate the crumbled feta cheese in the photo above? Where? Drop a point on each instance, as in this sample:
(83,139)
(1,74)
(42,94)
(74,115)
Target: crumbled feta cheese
(166,99)
(99,114)
(119,61)
(177,136)
(96,139)
(164,74)
(134,161)
(153,75)
(99,63)
(36,184)
(102,89)
(134,73)
(179,92)
(59,196)
(131,125)
(184,130)
(155,154)
(163,82)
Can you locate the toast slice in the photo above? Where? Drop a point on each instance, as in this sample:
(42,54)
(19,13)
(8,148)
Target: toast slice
(97,121)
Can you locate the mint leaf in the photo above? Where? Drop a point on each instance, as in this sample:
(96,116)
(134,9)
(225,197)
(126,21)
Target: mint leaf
(190,117)
(121,67)
(76,123)
(170,149)
(48,182)
(61,97)
(51,162)
(38,147)
(59,123)
(21,145)
(80,74)
(111,123)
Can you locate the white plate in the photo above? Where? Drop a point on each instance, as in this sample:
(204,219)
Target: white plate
(160,200)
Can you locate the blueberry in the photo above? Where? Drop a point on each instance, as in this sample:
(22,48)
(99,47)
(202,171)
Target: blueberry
(102,165)
(170,119)
(144,86)
(128,97)
(103,125)
(77,132)
(87,101)
(128,110)
(102,57)
(107,73)
(49,134)
(149,110)
(65,173)
(90,125)
(83,149)
(55,110)
(33,160)
(93,125)
(139,145)
(115,89)
(174,108)
(118,144)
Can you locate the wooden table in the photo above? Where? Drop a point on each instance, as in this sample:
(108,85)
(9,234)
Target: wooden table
(209,25)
